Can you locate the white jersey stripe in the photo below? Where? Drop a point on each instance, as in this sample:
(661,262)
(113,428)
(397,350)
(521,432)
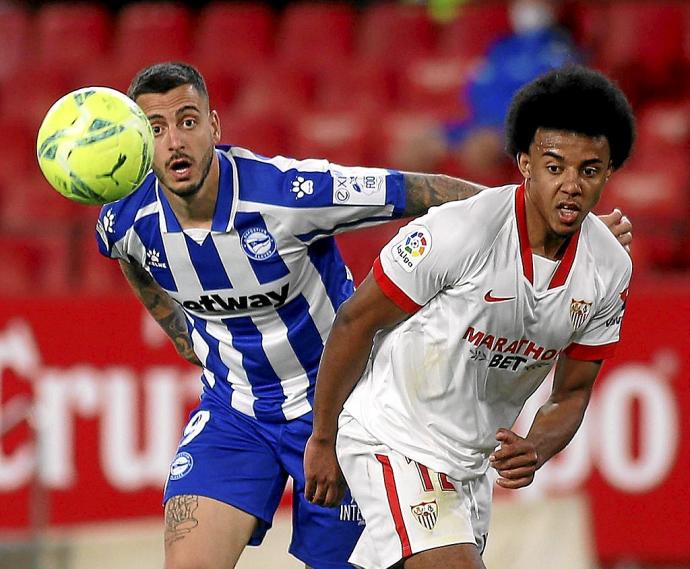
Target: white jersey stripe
(181,265)
(242,397)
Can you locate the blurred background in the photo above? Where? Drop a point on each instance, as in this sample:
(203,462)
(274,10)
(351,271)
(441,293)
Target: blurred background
(92,397)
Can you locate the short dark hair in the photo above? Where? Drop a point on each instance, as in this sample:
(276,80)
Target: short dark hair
(576,99)
(162,77)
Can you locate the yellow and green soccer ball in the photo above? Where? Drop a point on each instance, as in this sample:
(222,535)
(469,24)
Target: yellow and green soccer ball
(95,145)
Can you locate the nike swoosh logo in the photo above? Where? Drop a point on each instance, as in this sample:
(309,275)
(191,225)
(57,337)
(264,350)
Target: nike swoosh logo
(489,298)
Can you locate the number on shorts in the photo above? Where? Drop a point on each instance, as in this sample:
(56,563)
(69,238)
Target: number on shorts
(427,483)
(195,426)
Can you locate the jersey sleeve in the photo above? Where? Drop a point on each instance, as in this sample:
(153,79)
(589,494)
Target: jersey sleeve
(107,235)
(327,199)
(599,338)
(423,259)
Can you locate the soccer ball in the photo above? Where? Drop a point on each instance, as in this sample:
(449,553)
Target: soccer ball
(95,145)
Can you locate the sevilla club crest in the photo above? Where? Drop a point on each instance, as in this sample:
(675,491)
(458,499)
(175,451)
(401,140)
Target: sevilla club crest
(579,311)
(426,514)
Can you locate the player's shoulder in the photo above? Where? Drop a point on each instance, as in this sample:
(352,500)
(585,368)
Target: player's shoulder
(607,253)
(481,215)
(118,216)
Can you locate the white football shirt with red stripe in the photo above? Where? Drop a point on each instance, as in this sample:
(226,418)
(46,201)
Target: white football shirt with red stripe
(487,322)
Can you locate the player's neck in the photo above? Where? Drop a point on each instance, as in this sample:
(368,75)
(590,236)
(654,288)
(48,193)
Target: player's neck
(196,211)
(542,240)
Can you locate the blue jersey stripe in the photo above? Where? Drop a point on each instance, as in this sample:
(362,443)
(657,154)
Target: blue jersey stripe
(266,387)
(222,389)
(313,234)
(221,214)
(304,338)
(148,230)
(260,247)
(207,263)
(325,257)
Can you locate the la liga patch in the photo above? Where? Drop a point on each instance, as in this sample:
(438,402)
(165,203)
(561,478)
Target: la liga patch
(412,248)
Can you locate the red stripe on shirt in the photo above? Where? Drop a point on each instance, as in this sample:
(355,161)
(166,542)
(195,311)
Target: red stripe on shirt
(392,291)
(591,353)
(394,504)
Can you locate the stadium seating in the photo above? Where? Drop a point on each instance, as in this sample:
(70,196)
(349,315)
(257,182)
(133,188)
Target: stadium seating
(148,32)
(63,30)
(361,86)
(259,132)
(342,138)
(15,31)
(638,42)
(474,29)
(313,35)
(236,35)
(338,81)
(435,84)
(391,34)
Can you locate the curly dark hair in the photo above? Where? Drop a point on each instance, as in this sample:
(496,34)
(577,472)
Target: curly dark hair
(162,77)
(575,99)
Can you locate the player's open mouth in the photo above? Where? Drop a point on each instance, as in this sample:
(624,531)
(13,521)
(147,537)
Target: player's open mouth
(180,168)
(568,212)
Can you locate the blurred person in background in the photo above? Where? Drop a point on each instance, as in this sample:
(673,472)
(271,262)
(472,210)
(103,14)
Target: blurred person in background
(465,313)
(474,146)
(233,255)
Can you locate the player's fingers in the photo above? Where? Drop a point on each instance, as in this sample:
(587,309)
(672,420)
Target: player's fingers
(516,473)
(334,495)
(506,436)
(309,489)
(515,484)
(613,218)
(623,227)
(526,458)
(319,495)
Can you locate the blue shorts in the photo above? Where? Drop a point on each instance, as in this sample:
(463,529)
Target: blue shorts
(238,460)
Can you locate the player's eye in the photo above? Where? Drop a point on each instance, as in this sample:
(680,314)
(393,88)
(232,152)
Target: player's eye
(156,129)
(591,171)
(553,168)
(189,123)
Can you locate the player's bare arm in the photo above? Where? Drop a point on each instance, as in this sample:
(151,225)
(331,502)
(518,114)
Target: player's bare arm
(342,364)
(553,428)
(163,309)
(427,190)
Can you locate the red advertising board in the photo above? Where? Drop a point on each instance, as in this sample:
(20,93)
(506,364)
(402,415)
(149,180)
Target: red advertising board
(108,397)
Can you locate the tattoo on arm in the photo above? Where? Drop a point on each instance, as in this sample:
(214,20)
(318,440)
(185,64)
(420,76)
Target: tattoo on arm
(179,517)
(427,190)
(163,308)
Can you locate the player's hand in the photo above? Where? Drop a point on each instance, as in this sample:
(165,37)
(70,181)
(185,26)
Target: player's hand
(620,226)
(324,481)
(516,460)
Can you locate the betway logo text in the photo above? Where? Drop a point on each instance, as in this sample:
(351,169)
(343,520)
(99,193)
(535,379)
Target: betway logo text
(217,303)
(521,347)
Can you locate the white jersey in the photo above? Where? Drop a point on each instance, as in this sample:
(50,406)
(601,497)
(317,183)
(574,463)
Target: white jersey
(261,288)
(484,329)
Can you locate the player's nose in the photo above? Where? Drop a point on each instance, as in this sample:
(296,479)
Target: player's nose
(175,139)
(571,182)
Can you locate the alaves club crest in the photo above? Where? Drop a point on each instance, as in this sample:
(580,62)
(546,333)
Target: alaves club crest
(579,311)
(426,514)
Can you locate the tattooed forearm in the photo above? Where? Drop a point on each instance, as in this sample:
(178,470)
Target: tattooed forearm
(165,311)
(175,326)
(426,190)
(179,517)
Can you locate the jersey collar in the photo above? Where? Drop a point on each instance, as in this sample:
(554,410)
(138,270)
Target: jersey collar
(566,262)
(226,202)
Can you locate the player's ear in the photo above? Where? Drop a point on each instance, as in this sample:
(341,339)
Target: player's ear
(215,126)
(523,164)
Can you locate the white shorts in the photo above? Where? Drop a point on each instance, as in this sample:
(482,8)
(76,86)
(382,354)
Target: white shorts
(407,507)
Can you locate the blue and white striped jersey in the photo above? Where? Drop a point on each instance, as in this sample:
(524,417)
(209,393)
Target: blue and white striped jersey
(261,288)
